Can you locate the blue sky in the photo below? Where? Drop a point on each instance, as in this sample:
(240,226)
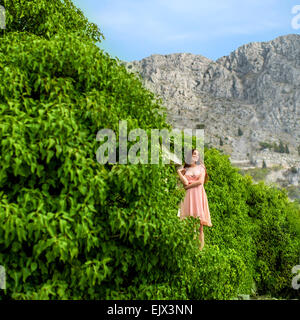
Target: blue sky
(135,29)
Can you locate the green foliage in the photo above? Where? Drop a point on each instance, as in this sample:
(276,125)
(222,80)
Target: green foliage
(294,216)
(293,192)
(258,223)
(232,227)
(257,173)
(279,148)
(277,242)
(294,169)
(265,145)
(223,274)
(74,220)
(286,150)
(275,147)
(46,18)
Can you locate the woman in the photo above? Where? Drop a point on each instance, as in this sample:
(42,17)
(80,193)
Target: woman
(195,203)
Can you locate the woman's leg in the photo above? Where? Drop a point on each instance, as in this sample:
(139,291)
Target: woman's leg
(201,236)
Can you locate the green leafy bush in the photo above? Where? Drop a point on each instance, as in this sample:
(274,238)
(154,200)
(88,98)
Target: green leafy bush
(61,211)
(47,18)
(277,239)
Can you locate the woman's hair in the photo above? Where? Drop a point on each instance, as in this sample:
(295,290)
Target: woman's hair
(198,162)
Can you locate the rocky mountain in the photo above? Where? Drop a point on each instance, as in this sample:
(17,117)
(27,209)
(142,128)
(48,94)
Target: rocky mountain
(248,102)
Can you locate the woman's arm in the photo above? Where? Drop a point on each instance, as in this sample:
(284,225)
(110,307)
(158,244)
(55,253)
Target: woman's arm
(183,179)
(196,183)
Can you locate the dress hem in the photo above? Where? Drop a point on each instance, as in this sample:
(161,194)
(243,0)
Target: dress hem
(206,224)
(201,222)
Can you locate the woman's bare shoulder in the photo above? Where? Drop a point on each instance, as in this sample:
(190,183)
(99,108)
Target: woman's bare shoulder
(202,165)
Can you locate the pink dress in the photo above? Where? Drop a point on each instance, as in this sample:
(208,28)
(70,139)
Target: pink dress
(195,203)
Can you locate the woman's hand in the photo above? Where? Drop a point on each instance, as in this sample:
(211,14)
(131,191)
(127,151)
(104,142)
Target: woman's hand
(183,179)
(192,185)
(182,171)
(196,183)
